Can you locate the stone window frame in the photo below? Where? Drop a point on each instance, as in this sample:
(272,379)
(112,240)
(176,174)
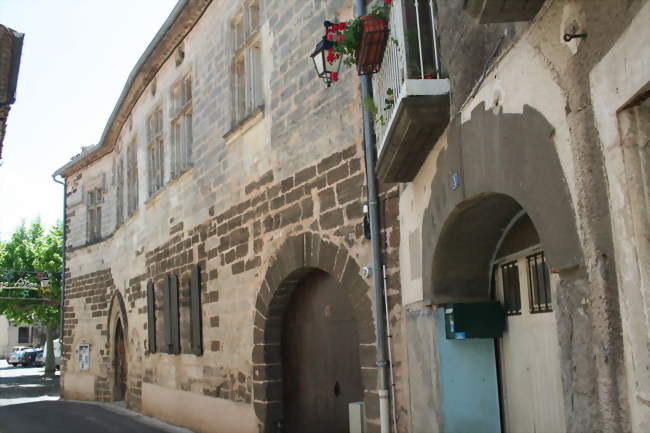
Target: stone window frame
(181,134)
(95,195)
(247,69)
(119,189)
(155,150)
(132,192)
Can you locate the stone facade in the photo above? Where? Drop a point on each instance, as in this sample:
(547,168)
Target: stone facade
(288,181)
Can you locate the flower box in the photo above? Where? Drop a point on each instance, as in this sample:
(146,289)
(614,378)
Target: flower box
(374,38)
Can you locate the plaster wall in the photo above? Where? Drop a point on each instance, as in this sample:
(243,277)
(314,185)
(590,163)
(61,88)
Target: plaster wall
(533,66)
(621,76)
(8,336)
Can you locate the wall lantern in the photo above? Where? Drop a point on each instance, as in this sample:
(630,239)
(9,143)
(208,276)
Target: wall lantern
(327,70)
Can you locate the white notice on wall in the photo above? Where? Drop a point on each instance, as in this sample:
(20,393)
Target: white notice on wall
(84,357)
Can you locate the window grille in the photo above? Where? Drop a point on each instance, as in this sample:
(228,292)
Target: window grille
(247,62)
(151,317)
(511,291)
(156,151)
(181,126)
(538,284)
(94,202)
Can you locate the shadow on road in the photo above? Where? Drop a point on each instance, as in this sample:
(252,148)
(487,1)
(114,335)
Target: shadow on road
(26,384)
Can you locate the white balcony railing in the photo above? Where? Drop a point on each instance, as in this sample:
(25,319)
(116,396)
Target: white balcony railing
(411,63)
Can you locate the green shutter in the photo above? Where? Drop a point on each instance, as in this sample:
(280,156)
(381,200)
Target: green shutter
(196,331)
(168,315)
(174,316)
(151,316)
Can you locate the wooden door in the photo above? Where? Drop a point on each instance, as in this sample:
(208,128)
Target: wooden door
(120,363)
(531,388)
(320,356)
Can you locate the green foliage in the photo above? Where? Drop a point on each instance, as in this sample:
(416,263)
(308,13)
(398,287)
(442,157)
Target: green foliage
(30,250)
(347,40)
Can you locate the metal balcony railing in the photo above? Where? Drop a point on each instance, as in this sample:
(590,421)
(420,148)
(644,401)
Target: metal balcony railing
(411,54)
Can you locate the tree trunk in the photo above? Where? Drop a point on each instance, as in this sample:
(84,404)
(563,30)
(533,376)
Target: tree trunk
(50,366)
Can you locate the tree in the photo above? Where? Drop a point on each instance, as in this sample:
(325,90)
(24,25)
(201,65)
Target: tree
(27,260)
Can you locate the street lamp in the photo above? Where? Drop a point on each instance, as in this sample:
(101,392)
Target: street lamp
(326,68)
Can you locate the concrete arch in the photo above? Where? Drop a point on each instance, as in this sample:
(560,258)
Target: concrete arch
(295,258)
(495,164)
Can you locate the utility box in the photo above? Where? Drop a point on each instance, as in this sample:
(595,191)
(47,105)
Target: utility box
(474,320)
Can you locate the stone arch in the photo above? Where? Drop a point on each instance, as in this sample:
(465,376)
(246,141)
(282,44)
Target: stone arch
(116,315)
(494,166)
(297,257)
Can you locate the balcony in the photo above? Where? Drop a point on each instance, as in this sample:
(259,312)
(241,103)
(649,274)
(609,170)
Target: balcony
(503,11)
(410,92)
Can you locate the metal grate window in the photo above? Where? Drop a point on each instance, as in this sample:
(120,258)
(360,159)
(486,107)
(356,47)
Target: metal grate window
(539,285)
(511,291)
(23,335)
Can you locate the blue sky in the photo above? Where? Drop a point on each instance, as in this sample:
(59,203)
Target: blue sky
(76,58)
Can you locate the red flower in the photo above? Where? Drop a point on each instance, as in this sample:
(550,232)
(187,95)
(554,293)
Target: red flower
(339,38)
(330,36)
(387,2)
(334,77)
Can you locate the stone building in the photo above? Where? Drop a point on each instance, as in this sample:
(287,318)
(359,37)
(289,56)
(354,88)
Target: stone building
(215,235)
(227,176)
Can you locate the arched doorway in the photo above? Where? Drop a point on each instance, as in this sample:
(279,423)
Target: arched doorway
(528,352)
(320,357)
(120,362)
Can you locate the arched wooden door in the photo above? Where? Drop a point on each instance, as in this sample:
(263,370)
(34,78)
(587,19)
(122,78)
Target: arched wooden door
(120,363)
(320,356)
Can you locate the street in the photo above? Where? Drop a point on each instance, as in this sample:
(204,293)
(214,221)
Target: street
(29,403)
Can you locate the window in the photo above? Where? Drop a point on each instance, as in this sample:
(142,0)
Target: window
(247,63)
(511,292)
(94,202)
(132,179)
(23,335)
(156,151)
(181,126)
(151,317)
(196,331)
(119,206)
(539,288)
(171,311)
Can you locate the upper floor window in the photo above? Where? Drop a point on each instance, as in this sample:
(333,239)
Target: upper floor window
(119,206)
(181,126)
(155,151)
(132,178)
(94,201)
(247,62)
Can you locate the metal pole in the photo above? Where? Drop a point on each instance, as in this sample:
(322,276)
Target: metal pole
(377,271)
(435,39)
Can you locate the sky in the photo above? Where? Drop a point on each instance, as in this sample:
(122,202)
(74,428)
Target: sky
(77,55)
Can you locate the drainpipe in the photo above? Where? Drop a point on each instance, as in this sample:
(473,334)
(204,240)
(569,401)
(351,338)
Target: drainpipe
(377,265)
(65,226)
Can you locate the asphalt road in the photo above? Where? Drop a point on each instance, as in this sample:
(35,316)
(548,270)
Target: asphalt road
(29,403)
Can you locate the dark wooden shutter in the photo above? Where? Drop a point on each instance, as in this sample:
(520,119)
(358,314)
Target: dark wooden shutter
(151,316)
(175,315)
(168,315)
(196,328)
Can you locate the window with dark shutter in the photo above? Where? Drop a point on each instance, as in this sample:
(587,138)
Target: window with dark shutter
(175,315)
(167,315)
(196,329)
(151,316)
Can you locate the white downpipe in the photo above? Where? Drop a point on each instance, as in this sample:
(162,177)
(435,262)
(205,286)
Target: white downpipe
(384,411)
